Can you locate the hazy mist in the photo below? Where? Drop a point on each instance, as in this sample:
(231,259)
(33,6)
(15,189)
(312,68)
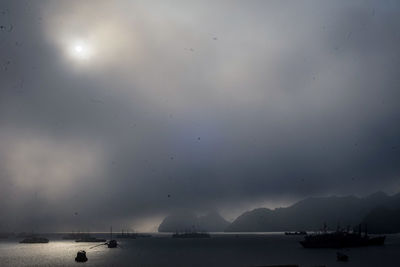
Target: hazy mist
(117,113)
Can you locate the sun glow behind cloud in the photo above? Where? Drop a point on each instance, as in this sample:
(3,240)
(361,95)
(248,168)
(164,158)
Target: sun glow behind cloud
(80,51)
(84,39)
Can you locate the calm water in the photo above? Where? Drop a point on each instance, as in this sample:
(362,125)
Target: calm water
(220,250)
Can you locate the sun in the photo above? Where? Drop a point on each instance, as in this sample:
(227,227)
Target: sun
(80,51)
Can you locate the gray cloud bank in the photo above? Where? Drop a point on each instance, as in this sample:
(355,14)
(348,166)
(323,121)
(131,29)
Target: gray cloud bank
(192,105)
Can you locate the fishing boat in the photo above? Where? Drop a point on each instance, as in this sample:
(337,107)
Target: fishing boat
(112,243)
(341,239)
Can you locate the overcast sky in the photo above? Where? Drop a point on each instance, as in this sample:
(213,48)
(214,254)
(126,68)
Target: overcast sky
(120,112)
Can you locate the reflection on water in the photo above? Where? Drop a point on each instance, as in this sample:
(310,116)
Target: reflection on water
(220,250)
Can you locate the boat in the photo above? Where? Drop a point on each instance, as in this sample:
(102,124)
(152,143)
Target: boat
(75,236)
(127,235)
(341,257)
(112,243)
(341,239)
(90,239)
(34,240)
(296,233)
(81,256)
(191,235)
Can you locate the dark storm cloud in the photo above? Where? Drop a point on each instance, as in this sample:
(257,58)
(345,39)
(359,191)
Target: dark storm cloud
(224,105)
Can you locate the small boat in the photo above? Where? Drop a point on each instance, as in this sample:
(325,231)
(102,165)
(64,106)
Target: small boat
(34,240)
(81,256)
(112,243)
(342,257)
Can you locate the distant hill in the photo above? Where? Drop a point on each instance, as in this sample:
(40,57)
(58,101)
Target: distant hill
(188,221)
(311,213)
(384,218)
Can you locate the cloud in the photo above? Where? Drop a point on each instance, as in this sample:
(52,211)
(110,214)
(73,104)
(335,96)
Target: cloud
(223,105)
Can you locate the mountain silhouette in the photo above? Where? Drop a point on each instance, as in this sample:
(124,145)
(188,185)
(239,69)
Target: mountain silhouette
(385,218)
(311,213)
(187,221)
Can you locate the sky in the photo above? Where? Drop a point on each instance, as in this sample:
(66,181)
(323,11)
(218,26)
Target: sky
(122,112)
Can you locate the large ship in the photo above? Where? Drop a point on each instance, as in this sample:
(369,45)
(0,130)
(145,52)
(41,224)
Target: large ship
(341,239)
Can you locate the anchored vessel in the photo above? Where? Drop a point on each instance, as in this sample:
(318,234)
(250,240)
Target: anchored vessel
(341,239)
(81,256)
(342,257)
(112,243)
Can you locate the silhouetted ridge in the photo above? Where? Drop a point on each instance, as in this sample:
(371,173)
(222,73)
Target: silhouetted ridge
(310,213)
(188,221)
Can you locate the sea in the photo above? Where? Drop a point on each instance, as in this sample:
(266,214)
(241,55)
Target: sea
(222,249)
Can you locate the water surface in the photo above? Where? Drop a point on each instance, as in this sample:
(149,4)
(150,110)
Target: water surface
(221,250)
